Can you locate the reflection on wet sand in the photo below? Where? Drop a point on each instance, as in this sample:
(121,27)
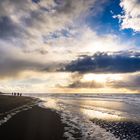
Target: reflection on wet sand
(102,118)
(101,115)
(102,110)
(106,110)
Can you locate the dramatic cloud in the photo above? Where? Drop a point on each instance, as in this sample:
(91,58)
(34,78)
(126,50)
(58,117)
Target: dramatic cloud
(47,15)
(76,81)
(131,81)
(53,42)
(78,84)
(121,62)
(127,81)
(130,17)
(44,26)
(14,61)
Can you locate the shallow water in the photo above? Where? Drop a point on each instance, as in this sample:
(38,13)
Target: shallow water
(78,111)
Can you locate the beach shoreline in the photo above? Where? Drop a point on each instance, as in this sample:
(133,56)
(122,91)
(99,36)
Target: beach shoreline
(39,122)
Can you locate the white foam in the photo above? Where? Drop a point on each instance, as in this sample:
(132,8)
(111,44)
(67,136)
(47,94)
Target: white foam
(77,122)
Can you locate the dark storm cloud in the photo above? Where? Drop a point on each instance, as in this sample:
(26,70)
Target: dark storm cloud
(119,62)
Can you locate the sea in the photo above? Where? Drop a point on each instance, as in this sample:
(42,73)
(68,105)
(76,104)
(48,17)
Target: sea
(96,116)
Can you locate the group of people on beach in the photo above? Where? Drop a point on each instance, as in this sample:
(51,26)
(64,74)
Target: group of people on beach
(16,94)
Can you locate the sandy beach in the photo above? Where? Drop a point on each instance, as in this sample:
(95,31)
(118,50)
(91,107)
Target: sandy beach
(35,123)
(59,120)
(8,103)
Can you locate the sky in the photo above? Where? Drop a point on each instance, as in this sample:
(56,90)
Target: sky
(70,46)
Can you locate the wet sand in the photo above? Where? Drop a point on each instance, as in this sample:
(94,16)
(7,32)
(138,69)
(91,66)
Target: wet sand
(8,103)
(124,130)
(33,124)
(36,123)
(44,124)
